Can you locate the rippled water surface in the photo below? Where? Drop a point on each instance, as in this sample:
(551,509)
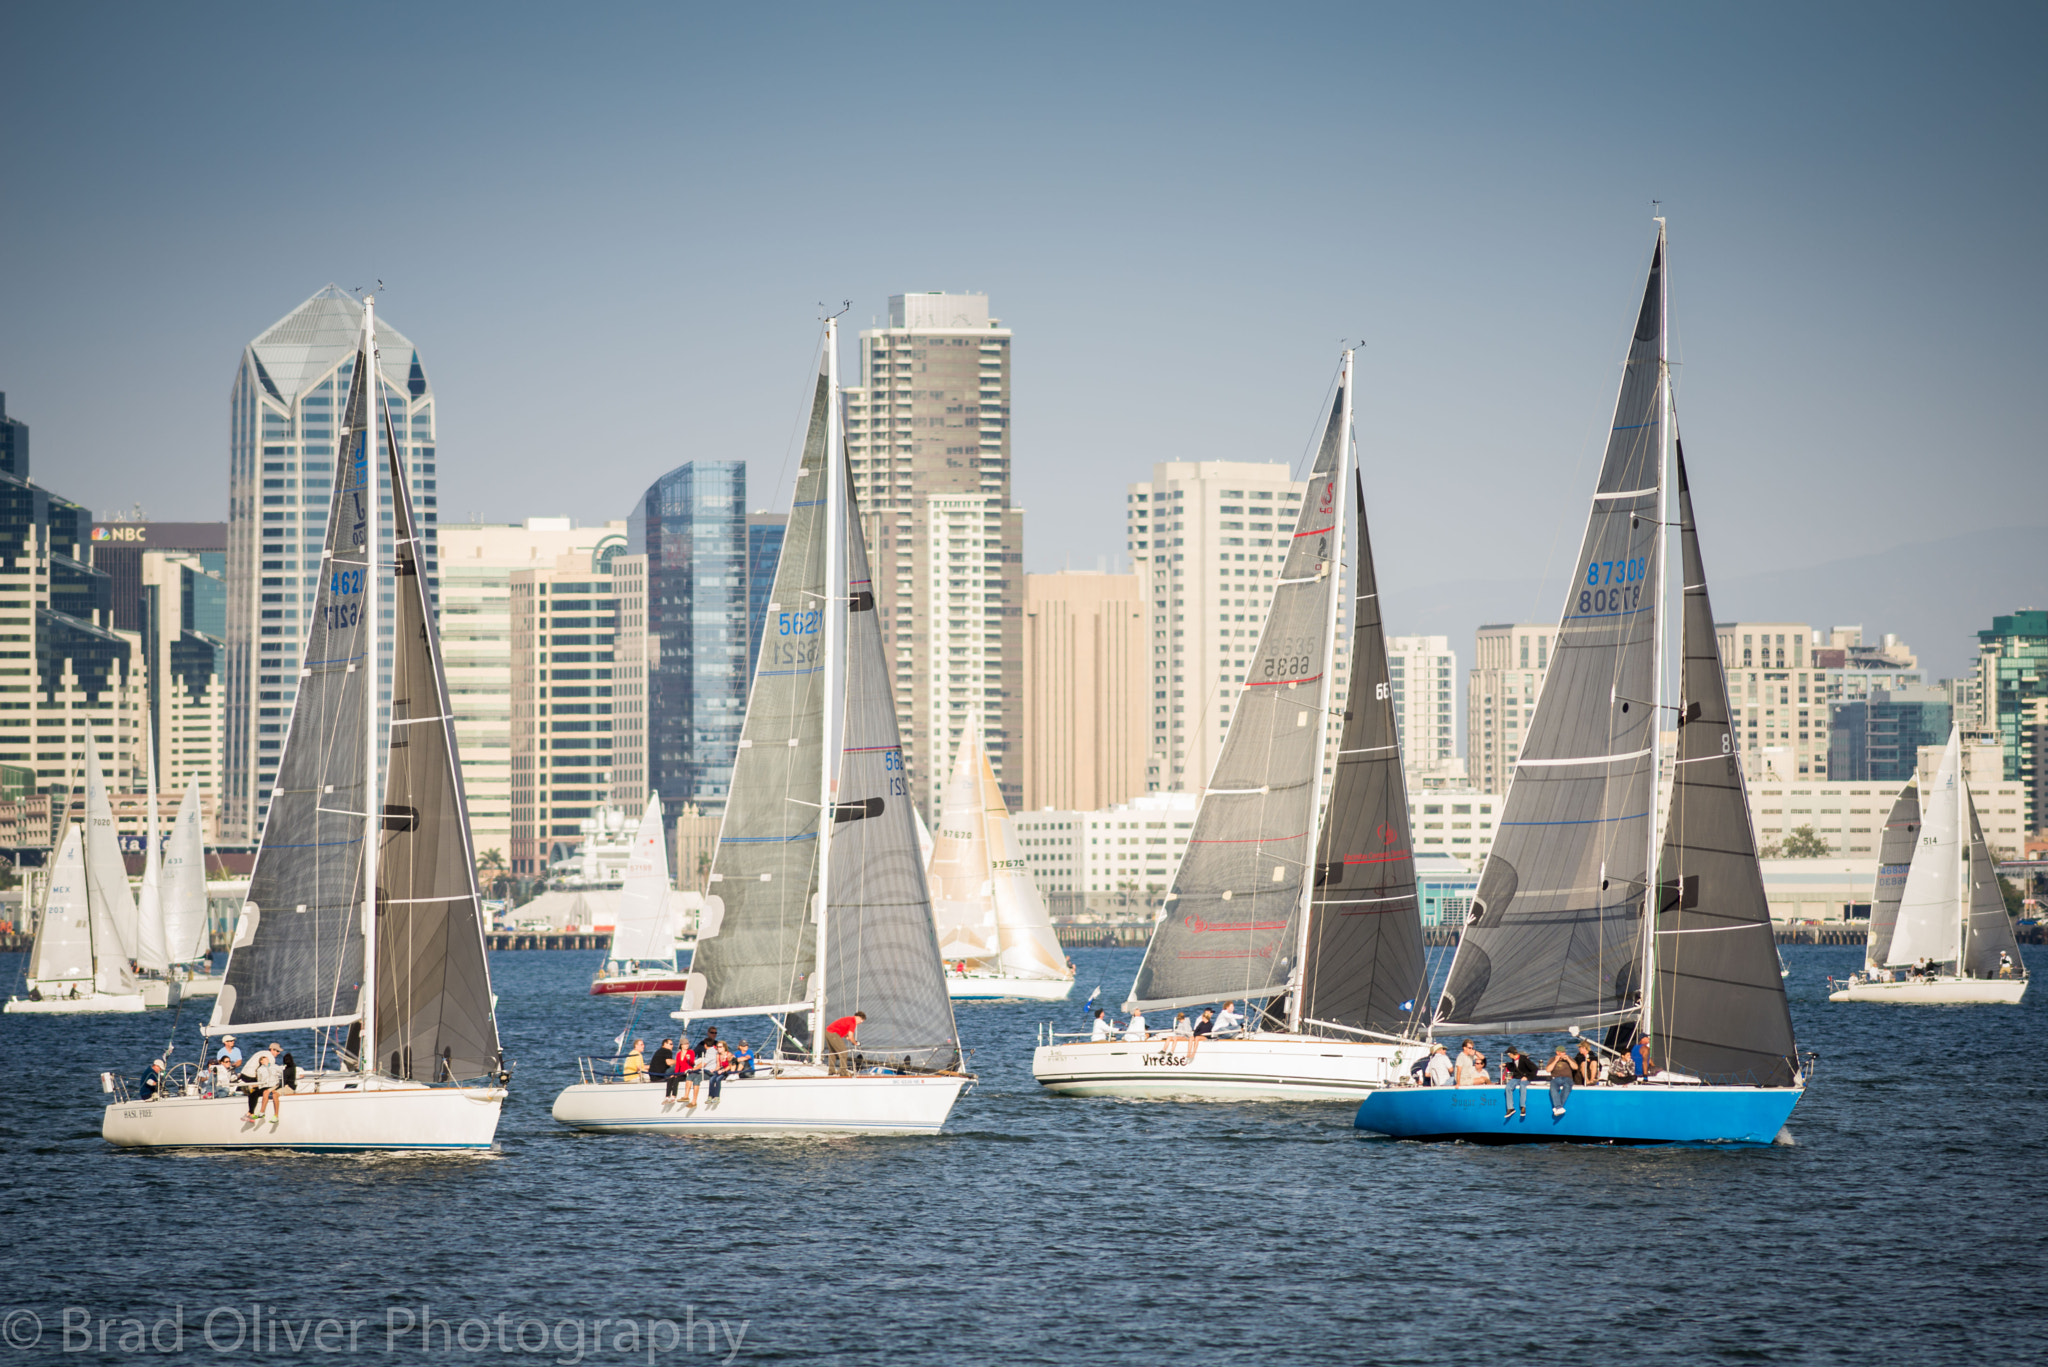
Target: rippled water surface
(1903,1225)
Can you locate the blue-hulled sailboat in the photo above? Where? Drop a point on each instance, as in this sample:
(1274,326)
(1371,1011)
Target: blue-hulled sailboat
(1569,930)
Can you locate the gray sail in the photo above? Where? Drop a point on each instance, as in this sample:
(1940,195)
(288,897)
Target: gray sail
(1554,935)
(756,941)
(1718,1006)
(1229,927)
(881,944)
(434,1021)
(297,954)
(1987,926)
(1894,859)
(1365,964)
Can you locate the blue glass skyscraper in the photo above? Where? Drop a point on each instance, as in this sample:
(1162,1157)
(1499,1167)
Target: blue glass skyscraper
(764,550)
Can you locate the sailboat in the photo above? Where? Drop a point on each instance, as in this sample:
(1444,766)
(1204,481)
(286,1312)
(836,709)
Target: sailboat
(82,961)
(1588,918)
(1310,912)
(1945,923)
(817,905)
(364,922)
(994,934)
(644,957)
(188,929)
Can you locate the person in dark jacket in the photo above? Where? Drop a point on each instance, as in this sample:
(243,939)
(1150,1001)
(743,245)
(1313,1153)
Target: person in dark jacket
(1517,1071)
(658,1066)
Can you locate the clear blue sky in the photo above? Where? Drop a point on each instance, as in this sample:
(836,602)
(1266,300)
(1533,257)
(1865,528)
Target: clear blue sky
(608,230)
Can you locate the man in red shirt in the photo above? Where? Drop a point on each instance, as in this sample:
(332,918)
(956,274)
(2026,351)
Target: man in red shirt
(840,1041)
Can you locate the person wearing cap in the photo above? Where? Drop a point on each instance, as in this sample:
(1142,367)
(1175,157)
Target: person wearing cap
(1439,1072)
(153,1080)
(227,1062)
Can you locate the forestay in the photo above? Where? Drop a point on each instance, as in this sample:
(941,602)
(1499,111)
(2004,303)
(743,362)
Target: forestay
(1894,861)
(1364,966)
(1230,926)
(1554,934)
(1718,1001)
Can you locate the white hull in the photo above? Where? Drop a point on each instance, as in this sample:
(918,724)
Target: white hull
(972,987)
(344,1115)
(1263,1067)
(94,1004)
(1935,992)
(205,986)
(157,993)
(808,1102)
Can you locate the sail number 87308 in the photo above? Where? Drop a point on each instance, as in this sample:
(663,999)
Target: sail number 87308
(1614,585)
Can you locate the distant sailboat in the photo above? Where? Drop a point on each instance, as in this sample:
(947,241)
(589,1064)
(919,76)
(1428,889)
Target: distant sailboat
(994,933)
(1587,917)
(1305,911)
(643,957)
(188,928)
(817,905)
(1944,924)
(363,922)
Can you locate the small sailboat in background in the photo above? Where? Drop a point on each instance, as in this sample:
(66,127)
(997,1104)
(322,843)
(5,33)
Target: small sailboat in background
(364,923)
(644,957)
(188,928)
(994,933)
(818,906)
(1944,923)
(1588,918)
(1279,900)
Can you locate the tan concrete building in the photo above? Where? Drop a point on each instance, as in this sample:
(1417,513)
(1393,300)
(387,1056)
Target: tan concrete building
(1777,693)
(1509,661)
(1422,671)
(928,444)
(1086,676)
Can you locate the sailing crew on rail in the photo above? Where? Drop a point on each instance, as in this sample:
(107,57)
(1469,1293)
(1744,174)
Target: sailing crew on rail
(1135,1029)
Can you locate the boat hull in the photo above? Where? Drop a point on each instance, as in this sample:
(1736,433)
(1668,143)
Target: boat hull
(1264,1067)
(205,986)
(335,1119)
(96,1004)
(764,1106)
(668,980)
(1642,1113)
(980,988)
(1935,992)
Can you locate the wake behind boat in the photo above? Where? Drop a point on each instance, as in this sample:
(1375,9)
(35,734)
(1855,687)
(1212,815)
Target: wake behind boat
(1311,912)
(818,907)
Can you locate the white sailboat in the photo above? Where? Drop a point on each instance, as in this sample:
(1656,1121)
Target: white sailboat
(994,934)
(1951,942)
(188,930)
(817,906)
(645,956)
(1310,912)
(364,923)
(76,965)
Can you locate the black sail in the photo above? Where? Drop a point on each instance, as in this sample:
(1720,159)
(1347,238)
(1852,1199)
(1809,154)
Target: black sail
(1987,926)
(1894,859)
(1364,966)
(881,944)
(1718,1003)
(1554,937)
(297,955)
(434,1021)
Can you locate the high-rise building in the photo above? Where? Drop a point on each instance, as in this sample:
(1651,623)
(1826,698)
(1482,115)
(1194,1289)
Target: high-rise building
(692,526)
(928,442)
(764,552)
(293,380)
(1207,539)
(478,560)
(1423,672)
(1087,674)
(2012,672)
(1877,738)
(1778,697)
(119,547)
(1509,662)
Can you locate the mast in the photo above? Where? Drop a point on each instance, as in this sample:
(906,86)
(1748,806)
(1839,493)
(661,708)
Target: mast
(1653,878)
(373,797)
(1965,840)
(834,604)
(1334,567)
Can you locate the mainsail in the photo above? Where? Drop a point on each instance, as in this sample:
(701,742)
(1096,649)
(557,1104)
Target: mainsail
(1554,934)
(1987,929)
(63,947)
(188,936)
(644,929)
(115,926)
(1932,901)
(1364,967)
(1231,920)
(1894,859)
(297,955)
(1718,999)
(756,942)
(984,901)
(434,1020)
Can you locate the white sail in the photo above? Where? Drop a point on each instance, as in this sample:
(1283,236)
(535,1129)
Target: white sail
(963,900)
(187,936)
(924,837)
(152,946)
(1029,947)
(106,886)
(646,926)
(63,946)
(1930,907)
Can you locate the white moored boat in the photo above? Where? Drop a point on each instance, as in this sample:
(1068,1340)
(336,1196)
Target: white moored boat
(1939,934)
(994,934)
(1312,912)
(817,905)
(364,924)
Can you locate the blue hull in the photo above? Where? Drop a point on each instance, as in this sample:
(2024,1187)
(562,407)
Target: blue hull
(1639,1114)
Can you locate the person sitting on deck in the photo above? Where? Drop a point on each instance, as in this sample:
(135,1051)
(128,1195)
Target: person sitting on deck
(682,1074)
(1438,1072)
(1639,1058)
(1563,1073)
(1588,1066)
(1104,1028)
(840,1038)
(1134,1030)
(1228,1022)
(743,1060)
(1471,1067)
(658,1066)
(635,1068)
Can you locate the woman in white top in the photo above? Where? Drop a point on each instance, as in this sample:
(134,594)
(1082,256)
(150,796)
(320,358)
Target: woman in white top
(1136,1029)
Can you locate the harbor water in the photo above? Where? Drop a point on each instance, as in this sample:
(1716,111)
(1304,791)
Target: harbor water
(1898,1221)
